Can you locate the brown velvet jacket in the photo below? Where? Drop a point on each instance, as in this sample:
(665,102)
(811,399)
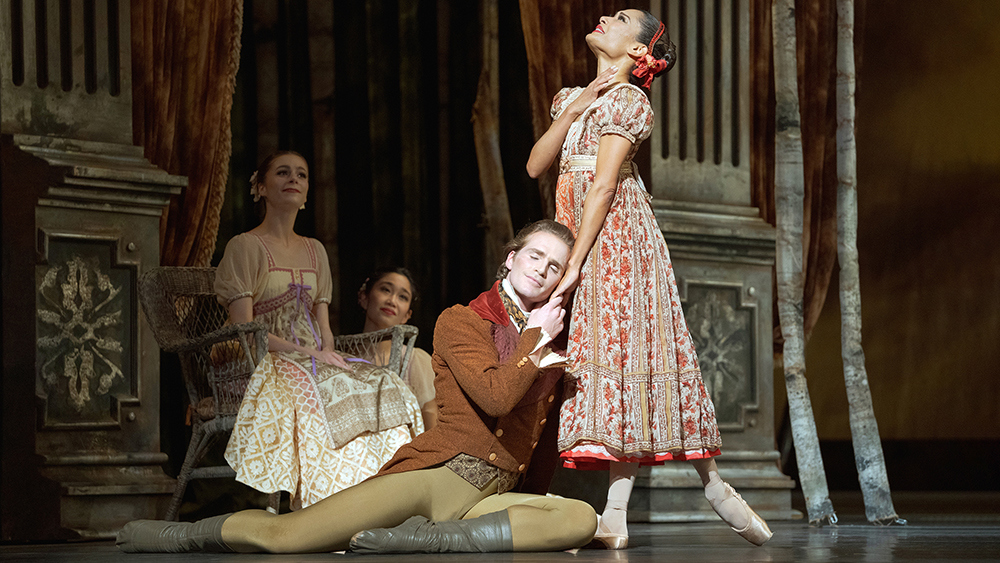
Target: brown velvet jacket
(493,404)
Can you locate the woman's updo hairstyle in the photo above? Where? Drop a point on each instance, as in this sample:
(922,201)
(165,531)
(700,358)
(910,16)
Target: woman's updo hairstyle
(258,177)
(376,276)
(662,50)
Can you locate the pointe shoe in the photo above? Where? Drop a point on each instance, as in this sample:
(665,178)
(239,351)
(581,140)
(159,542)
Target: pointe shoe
(609,539)
(756,530)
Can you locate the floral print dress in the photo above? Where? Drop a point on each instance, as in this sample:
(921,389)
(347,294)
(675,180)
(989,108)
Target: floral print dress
(308,428)
(634,389)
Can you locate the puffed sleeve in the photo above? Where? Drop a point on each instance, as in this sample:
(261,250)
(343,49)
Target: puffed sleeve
(324,279)
(562,99)
(242,271)
(625,111)
(420,376)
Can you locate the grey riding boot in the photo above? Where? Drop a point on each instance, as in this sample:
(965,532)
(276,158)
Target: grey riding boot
(164,536)
(488,533)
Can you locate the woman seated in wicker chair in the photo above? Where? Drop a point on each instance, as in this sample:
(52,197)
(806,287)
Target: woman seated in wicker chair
(312,422)
(387,297)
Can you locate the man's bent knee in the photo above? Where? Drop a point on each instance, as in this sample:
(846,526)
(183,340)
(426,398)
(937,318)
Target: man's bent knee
(577,522)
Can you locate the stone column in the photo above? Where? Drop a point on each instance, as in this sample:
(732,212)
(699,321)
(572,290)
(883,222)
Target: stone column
(81,214)
(723,257)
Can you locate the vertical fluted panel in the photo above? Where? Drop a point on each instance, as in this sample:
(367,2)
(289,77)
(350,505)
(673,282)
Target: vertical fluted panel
(64,68)
(741,89)
(672,136)
(49,22)
(702,135)
(728,96)
(100,46)
(16,42)
(114,19)
(689,71)
(71,44)
(707,150)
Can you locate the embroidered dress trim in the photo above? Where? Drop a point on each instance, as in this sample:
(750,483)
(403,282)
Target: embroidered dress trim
(238,296)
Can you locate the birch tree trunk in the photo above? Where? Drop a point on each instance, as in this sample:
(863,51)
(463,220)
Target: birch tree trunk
(864,429)
(486,132)
(789,194)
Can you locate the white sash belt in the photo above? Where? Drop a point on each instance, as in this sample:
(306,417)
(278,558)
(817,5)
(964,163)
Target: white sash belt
(578,162)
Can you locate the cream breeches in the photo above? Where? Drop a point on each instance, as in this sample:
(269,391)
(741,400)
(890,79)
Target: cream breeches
(538,523)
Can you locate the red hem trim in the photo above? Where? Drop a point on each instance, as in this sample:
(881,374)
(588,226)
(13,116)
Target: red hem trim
(598,462)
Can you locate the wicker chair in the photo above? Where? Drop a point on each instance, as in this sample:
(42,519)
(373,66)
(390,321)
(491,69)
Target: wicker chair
(217,360)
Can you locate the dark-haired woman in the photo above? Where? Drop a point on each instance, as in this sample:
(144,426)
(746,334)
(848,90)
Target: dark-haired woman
(312,422)
(387,297)
(636,393)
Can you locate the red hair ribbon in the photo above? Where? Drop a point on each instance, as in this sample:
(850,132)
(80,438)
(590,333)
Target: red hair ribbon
(646,66)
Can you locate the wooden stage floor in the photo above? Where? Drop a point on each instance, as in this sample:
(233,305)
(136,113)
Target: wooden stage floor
(942,527)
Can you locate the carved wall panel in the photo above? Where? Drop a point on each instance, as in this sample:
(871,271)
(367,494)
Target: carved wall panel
(722,327)
(86,330)
(81,369)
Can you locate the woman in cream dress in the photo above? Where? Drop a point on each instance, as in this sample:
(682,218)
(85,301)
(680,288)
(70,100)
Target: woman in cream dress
(312,422)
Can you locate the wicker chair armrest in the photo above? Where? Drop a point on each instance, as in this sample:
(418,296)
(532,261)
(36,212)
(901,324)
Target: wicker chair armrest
(402,336)
(228,332)
(344,341)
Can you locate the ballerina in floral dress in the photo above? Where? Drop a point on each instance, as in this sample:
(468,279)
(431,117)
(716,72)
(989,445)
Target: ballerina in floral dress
(312,422)
(635,394)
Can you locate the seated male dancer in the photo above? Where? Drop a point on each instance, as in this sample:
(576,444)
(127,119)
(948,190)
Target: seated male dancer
(450,489)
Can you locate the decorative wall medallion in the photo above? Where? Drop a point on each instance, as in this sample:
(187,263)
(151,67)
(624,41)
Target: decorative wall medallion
(721,330)
(80,330)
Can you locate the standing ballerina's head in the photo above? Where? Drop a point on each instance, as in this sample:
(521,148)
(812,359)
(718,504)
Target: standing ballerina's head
(635,37)
(281,180)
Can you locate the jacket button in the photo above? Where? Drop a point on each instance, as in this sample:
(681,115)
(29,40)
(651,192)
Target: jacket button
(520,467)
(551,398)
(541,422)
(493,457)
(499,432)
(533,444)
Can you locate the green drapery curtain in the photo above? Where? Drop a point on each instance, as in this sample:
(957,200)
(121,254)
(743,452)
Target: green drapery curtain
(185,54)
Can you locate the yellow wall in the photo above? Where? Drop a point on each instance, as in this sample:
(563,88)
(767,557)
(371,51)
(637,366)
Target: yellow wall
(929,227)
